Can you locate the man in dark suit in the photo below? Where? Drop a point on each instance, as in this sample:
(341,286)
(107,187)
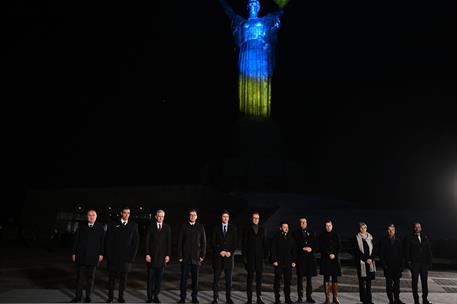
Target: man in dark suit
(121,247)
(254,250)
(283,256)
(391,257)
(191,253)
(158,252)
(305,244)
(419,258)
(224,241)
(87,254)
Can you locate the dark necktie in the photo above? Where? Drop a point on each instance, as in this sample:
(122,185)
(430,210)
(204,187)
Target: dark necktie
(225,229)
(160,227)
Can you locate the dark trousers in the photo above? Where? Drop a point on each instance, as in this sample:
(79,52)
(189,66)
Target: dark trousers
(309,285)
(393,289)
(155,276)
(365,290)
(194,270)
(112,281)
(280,272)
(258,283)
(228,282)
(86,272)
(419,269)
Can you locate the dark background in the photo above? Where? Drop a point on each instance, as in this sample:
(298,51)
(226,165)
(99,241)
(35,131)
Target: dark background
(101,93)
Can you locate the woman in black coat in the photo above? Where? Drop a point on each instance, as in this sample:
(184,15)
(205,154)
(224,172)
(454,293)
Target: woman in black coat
(365,263)
(330,246)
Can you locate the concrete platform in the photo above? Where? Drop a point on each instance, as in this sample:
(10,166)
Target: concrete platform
(34,275)
(54,284)
(171,296)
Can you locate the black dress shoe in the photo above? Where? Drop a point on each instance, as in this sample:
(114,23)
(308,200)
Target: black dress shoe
(149,300)
(288,301)
(87,300)
(259,301)
(310,300)
(277,301)
(426,302)
(399,302)
(195,301)
(109,300)
(155,300)
(75,300)
(215,301)
(121,300)
(299,300)
(181,301)
(229,301)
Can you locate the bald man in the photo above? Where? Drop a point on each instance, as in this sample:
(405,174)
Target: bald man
(87,254)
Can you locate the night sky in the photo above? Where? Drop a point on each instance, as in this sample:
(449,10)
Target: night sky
(101,93)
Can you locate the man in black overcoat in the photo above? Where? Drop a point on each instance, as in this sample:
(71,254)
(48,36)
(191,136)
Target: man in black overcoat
(191,253)
(254,250)
(87,253)
(121,247)
(223,243)
(392,258)
(283,256)
(158,252)
(305,244)
(419,258)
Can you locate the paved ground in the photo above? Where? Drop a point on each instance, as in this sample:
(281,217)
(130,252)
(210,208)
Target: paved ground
(54,283)
(170,296)
(41,276)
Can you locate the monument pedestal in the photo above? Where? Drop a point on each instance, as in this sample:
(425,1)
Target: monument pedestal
(256,159)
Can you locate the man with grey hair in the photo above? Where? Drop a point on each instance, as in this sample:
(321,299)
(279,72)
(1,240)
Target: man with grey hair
(158,252)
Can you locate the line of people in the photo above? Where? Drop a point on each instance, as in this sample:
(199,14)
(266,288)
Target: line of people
(288,251)
(414,252)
